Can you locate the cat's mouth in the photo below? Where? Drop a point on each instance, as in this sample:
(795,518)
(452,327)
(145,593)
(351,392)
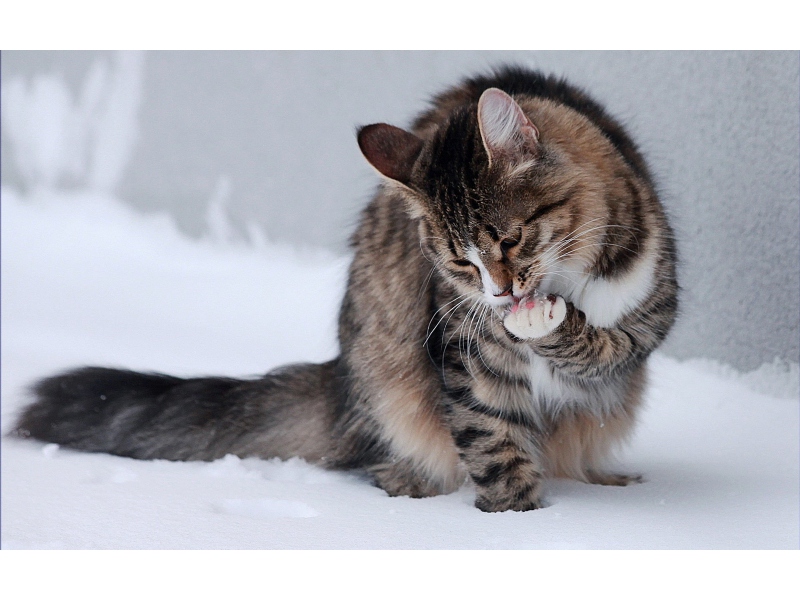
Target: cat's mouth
(528,300)
(507,304)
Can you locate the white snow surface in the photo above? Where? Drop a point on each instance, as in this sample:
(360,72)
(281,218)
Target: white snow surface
(86,280)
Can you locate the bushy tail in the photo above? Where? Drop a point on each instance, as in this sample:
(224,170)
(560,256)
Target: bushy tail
(288,412)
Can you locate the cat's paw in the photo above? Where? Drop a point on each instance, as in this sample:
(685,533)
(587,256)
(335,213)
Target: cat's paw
(400,479)
(600,478)
(536,316)
(512,504)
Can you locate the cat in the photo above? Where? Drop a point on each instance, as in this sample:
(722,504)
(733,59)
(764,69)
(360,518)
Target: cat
(510,278)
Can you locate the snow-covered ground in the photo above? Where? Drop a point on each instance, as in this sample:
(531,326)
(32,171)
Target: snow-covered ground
(87,281)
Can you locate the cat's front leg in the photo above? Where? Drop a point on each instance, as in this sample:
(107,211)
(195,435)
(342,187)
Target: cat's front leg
(506,471)
(573,346)
(535,317)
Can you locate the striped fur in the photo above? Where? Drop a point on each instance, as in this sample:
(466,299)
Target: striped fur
(513,194)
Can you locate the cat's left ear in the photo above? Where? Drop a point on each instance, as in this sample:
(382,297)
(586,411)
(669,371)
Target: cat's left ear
(506,130)
(391,150)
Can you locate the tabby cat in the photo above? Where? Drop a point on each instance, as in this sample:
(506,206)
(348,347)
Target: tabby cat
(511,276)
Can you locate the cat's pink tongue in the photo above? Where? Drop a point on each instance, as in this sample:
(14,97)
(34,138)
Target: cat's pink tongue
(524,302)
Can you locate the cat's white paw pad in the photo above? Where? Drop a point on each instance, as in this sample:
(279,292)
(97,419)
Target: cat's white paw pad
(535,317)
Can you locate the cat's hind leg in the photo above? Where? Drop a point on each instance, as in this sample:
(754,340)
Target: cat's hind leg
(618,479)
(581,443)
(399,478)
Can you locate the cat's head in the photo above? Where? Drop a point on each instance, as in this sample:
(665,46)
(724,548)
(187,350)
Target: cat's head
(506,197)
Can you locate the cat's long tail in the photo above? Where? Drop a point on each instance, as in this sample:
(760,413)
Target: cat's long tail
(288,412)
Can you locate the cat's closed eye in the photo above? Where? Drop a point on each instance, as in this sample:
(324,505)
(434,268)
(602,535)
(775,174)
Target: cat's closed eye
(460,262)
(543,210)
(507,244)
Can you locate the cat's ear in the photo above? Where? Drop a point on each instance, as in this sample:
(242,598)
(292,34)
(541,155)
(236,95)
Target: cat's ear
(506,131)
(391,150)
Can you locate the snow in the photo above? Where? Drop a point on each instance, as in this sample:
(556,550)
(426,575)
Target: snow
(85,280)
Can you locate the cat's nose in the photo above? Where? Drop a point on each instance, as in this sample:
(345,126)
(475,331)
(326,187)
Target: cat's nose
(505,292)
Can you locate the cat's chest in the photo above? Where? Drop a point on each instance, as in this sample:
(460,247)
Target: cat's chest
(545,381)
(550,392)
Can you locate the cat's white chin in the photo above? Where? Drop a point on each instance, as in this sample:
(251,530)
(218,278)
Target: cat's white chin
(499,301)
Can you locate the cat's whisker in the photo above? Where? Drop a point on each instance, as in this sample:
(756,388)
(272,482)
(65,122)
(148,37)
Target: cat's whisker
(562,275)
(430,330)
(492,324)
(428,279)
(480,327)
(466,328)
(478,330)
(469,331)
(422,250)
(452,313)
(473,314)
(607,243)
(553,255)
(425,283)
(576,236)
(579,235)
(460,331)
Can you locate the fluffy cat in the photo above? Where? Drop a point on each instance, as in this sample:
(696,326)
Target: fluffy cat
(511,276)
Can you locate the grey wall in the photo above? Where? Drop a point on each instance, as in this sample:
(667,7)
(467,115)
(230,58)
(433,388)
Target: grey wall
(271,135)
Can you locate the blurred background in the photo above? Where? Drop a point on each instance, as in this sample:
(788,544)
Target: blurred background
(255,146)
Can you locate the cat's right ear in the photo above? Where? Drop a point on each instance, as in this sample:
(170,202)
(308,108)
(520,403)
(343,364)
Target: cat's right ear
(391,150)
(506,130)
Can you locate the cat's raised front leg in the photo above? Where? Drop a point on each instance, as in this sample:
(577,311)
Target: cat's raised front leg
(575,347)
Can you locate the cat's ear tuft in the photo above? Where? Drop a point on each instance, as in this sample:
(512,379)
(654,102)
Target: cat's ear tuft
(391,150)
(506,130)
